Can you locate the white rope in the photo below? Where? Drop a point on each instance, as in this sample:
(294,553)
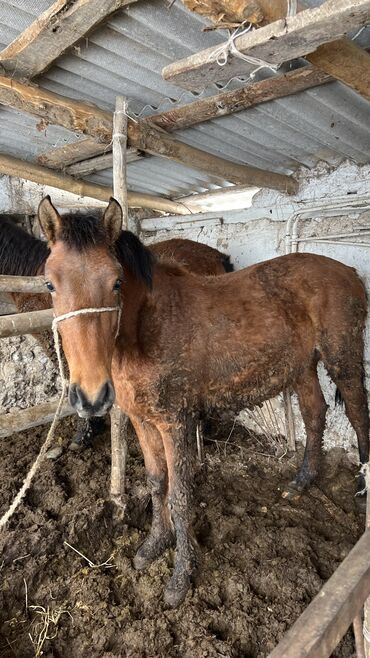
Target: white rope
(50,435)
(222,52)
(292,8)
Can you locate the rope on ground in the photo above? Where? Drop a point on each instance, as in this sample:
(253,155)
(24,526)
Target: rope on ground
(50,435)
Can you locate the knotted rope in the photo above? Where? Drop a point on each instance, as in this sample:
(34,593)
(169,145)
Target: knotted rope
(50,435)
(222,52)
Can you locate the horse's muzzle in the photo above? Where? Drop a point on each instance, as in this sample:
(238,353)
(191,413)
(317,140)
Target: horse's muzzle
(84,407)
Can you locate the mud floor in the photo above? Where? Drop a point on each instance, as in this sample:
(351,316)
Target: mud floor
(262,559)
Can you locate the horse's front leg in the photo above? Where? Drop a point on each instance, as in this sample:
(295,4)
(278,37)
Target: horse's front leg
(180,479)
(160,536)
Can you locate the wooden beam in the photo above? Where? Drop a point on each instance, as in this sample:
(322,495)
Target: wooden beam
(322,625)
(342,59)
(230,102)
(275,43)
(101,162)
(24,419)
(222,104)
(20,169)
(65,156)
(83,157)
(55,30)
(31,322)
(150,140)
(33,284)
(76,116)
(346,62)
(79,116)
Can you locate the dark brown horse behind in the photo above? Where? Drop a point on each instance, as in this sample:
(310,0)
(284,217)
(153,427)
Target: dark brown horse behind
(189,343)
(23,254)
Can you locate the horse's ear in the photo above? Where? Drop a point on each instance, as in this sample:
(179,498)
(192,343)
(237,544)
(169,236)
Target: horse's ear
(112,220)
(49,219)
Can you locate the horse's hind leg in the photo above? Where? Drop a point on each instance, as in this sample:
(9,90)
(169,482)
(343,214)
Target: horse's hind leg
(160,536)
(353,392)
(313,409)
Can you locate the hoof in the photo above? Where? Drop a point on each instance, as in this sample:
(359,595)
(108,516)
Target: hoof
(292,491)
(175,592)
(151,549)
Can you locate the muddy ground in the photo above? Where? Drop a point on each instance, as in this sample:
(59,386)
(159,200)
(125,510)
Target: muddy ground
(263,559)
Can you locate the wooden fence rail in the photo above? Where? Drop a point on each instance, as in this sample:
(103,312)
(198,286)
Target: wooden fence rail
(324,622)
(24,419)
(30,284)
(31,322)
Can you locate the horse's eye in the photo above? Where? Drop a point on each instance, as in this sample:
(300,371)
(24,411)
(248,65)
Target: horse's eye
(50,286)
(117,285)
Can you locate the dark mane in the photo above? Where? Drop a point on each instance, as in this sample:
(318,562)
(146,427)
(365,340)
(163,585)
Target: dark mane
(131,252)
(20,253)
(82,231)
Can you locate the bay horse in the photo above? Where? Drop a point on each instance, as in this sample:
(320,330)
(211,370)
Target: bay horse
(24,255)
(188,343)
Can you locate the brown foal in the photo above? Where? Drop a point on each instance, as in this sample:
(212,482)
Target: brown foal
(189,343)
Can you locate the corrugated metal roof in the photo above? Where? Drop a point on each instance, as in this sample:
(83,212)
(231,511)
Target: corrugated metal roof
(126,56)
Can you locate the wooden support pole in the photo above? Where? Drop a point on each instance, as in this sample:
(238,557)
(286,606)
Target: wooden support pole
(20,169)
(366,626)
(322,625)
(41,414)
(32,284)
(118,420)
(31,322)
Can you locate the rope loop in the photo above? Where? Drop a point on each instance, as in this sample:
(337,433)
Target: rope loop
(50,435)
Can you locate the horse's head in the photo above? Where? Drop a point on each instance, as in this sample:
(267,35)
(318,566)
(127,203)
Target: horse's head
(82,272)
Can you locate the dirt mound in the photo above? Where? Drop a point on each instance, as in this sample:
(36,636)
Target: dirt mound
(262,559)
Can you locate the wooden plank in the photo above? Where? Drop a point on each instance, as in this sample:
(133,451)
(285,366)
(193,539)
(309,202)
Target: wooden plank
(275,43)
(230,102)
(33,284)
(20,169)
(89,119)
(321,626)
(101,162)
(55,30)
(31,322)
(346,62)
(68,155)
(24,419)
(150,140)
(342,59)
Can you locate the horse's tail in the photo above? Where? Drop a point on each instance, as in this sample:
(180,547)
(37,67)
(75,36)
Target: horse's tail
(227,264)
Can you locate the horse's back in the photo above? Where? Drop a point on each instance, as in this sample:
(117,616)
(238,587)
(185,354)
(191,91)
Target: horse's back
(196,257)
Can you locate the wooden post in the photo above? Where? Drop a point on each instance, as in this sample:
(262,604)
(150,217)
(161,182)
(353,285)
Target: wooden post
(289,420)
(118,420)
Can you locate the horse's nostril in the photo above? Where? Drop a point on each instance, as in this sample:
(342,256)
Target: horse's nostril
(77,398)
(106,396)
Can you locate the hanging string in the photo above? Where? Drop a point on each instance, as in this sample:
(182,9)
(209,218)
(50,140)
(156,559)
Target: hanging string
(221,53)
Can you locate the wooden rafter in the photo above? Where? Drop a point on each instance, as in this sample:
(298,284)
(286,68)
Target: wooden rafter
(55,30)
(83,157)
(275,43)
(90,120)
(20,169)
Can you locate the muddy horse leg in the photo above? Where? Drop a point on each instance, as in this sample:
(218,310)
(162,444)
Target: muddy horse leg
(353,392)
(313,409)
(180,476)
(160,536)
(344,362)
